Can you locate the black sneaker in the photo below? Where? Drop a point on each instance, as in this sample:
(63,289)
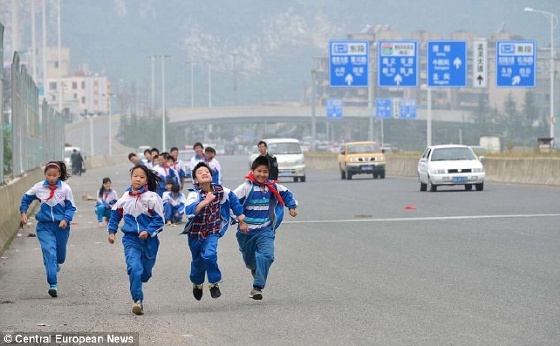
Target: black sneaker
(215,291)
(197,291)
(256,294)
(53,292)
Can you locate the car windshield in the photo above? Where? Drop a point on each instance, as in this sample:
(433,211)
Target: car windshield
(362,148)
(284,148)
(452,154)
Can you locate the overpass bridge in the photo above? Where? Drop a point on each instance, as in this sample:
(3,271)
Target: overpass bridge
(285,113)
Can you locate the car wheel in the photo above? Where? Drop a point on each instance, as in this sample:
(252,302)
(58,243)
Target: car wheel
(302,179)
(423,187)
(468,187)
(433,188)
(479,187)
(296,179)
(375,175)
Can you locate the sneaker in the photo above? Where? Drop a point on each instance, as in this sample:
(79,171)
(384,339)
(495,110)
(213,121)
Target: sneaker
(256,294)
(58,267)
(137,308)
(197,291)
(53,291)
(215,290)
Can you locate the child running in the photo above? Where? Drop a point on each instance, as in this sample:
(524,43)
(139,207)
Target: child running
(106,198)
(142,210)
(55,213)
(208,206)
(263,202)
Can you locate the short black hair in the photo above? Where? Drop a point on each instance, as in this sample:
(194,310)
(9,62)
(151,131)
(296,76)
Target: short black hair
(198,165)
(131,155)
(197,144)
(210,150)
(262,142)
(260,161)
(175,188)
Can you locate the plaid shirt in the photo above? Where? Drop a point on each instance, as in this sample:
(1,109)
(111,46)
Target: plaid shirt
(208,220)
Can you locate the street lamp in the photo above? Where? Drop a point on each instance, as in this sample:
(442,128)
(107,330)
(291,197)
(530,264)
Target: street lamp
(553,24)
(428,114)
(313,109)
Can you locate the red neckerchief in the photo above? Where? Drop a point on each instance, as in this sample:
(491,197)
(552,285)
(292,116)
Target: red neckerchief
(269,184)
(52,188)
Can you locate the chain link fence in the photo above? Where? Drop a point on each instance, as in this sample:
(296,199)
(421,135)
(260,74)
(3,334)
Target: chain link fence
(32,132)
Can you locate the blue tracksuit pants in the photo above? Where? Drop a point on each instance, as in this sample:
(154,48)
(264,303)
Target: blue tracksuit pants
(140,256)
(204,259)
(169,211)
(53,242)
(258,253)
(101,211)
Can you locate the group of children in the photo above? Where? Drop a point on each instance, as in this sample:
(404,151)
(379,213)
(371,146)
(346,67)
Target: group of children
(256,207)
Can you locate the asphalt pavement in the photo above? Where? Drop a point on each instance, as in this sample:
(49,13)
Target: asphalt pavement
(365,262)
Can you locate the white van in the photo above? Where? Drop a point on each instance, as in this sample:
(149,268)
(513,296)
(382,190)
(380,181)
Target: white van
(288,153)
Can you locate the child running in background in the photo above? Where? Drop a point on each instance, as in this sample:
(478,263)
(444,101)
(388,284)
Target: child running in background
(142,211)
(210,160)
(263,203)
(174,205)
(55,213)
(106,198)
(209,206)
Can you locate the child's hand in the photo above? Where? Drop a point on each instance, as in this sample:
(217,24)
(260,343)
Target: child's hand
(143,235)
(62,224)
(293,213)
(210,196)
(243,226)
(111,238)
(24,218)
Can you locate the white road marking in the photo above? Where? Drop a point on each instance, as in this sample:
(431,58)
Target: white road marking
(429,218)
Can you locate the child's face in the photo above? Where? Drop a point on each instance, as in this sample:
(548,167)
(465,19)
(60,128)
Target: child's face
(107,185)
(52,175)
(202,175)
(138,179)
(168,186)
(159,160)
(198,150)
(261,173)
(148,155)
(209,155)
(170,162)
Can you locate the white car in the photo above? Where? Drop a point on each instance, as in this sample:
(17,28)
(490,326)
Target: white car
(450,164)
(288,153)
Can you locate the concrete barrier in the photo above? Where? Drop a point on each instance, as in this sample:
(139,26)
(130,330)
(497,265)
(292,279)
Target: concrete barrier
(529,170)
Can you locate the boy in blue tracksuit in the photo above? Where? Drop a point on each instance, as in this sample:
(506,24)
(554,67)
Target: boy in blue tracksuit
(55,214)
(263,202)
(208,210)
(142,210)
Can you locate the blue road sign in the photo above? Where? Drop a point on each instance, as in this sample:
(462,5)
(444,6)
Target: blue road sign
(515,64)
(447,64)
(397,63)
(348,63)
(334,108)
(383,108)
(408,109)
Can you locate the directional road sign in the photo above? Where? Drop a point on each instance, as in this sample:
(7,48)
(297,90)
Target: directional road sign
(480,64)
(397,63)
(515,64)
(383,108)
(334,108)
(348,63)
(408,109)
(447,64)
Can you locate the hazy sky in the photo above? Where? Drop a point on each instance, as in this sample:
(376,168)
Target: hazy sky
(274,41)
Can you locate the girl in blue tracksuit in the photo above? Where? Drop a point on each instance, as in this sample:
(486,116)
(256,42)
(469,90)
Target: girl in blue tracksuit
(173,205)
(55,213)
(106,198)
(208,210)
(263,202)
(142,210)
